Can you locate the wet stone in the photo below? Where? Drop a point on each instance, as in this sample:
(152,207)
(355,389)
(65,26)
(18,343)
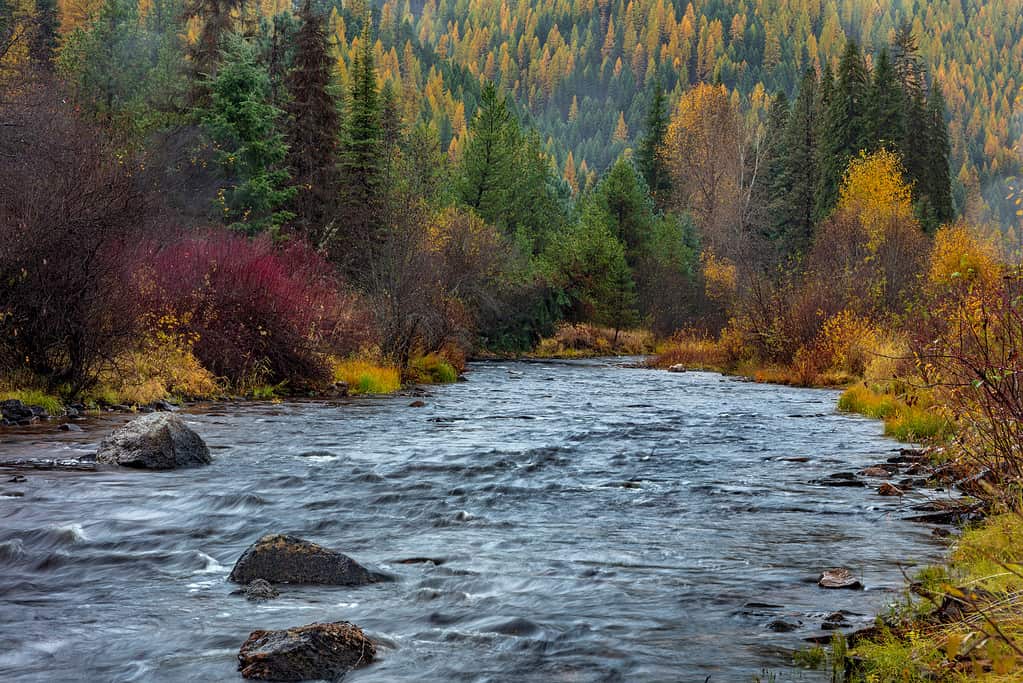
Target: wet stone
(324,651)
(838,578)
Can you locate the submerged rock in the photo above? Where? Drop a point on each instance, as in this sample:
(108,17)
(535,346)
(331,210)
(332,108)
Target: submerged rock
(260,590)
(287,559)
(312,652)
(839,578)
(417,404)
(158,441)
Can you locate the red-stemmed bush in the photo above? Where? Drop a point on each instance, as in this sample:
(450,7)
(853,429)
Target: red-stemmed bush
(255,311)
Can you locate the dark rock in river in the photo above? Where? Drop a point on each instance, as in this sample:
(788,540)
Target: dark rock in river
(68,427)
(417,404)
(839,578)
(782,626)
(312,652)
(158,441)
(259,590)
(875,471)
(889,489)
(286,559)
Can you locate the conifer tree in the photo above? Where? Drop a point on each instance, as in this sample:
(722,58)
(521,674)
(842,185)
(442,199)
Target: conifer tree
(313,128)
(362,163)
(773,191)
(486,172)
(250,150)
(936,184)
(845,126)
(622,196)
(801,170)
(648,155)
(218,19)
(886,116)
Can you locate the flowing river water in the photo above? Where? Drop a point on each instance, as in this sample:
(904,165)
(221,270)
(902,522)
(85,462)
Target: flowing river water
(587,521)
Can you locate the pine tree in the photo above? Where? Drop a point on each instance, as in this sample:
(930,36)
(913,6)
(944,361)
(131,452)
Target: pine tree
(936,184)
(802,170)
(772,192)
(242,124)
(488,161)
(363,163)
(622,195)
(218,19)
(648,156)
(886,115)
(390,117)
(845,126)
(313,127)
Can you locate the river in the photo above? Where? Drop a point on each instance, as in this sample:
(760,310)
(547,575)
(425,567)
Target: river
(588,521)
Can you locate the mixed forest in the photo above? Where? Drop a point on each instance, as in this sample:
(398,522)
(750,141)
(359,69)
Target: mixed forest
(217,197)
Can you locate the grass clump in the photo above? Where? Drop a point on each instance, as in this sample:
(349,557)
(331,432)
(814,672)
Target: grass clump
(34,397)
(431,369)
(365,377)
(591,341)
(908,416)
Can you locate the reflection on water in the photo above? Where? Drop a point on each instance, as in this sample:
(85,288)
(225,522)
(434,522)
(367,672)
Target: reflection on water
(586,521)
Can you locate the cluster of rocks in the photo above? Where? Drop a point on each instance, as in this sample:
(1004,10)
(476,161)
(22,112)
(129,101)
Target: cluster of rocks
(14,412)
(326,650)
(162,441)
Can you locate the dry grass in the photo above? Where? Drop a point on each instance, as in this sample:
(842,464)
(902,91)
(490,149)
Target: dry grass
(367,376)
(162,368)
(910,417)
(588,341)
(693,350)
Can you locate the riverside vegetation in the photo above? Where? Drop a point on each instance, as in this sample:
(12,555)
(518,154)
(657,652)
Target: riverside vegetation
(211,197)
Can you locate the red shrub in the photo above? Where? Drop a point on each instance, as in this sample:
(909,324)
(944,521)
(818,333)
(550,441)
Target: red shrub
(257,312)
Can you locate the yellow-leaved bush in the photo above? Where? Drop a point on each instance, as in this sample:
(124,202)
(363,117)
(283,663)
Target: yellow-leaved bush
(960,257)
(873,189)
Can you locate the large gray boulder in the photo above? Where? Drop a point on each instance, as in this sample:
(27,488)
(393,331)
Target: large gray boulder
(286,559)
(158,441)
(313,652)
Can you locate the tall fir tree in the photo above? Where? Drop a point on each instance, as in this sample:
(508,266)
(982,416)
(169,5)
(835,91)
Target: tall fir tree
(845,126)
(802,168)
(217,19)
(313,129)
(648,155)
(886,113)
(487,168)
(935,187)
(772,193)
(242,124)
(362,165)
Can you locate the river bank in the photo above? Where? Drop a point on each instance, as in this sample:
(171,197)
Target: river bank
(584,517)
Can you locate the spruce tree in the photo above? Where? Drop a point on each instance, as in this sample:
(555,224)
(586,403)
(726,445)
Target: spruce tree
(390,116)
(936,184)
(313,128)
(801,170)
(486,172)
(648,156)
(622,195)
(886,108)
(362,163)
(242,124)
(845,126)
(217,18)
(773,194)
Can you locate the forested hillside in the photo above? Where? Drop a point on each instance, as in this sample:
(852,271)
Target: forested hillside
(585,69)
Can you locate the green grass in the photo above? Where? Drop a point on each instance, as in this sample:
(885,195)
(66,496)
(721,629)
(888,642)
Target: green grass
(32,397)
(914,423)
(432,369)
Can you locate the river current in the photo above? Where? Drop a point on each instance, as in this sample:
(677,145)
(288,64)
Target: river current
(585,521)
